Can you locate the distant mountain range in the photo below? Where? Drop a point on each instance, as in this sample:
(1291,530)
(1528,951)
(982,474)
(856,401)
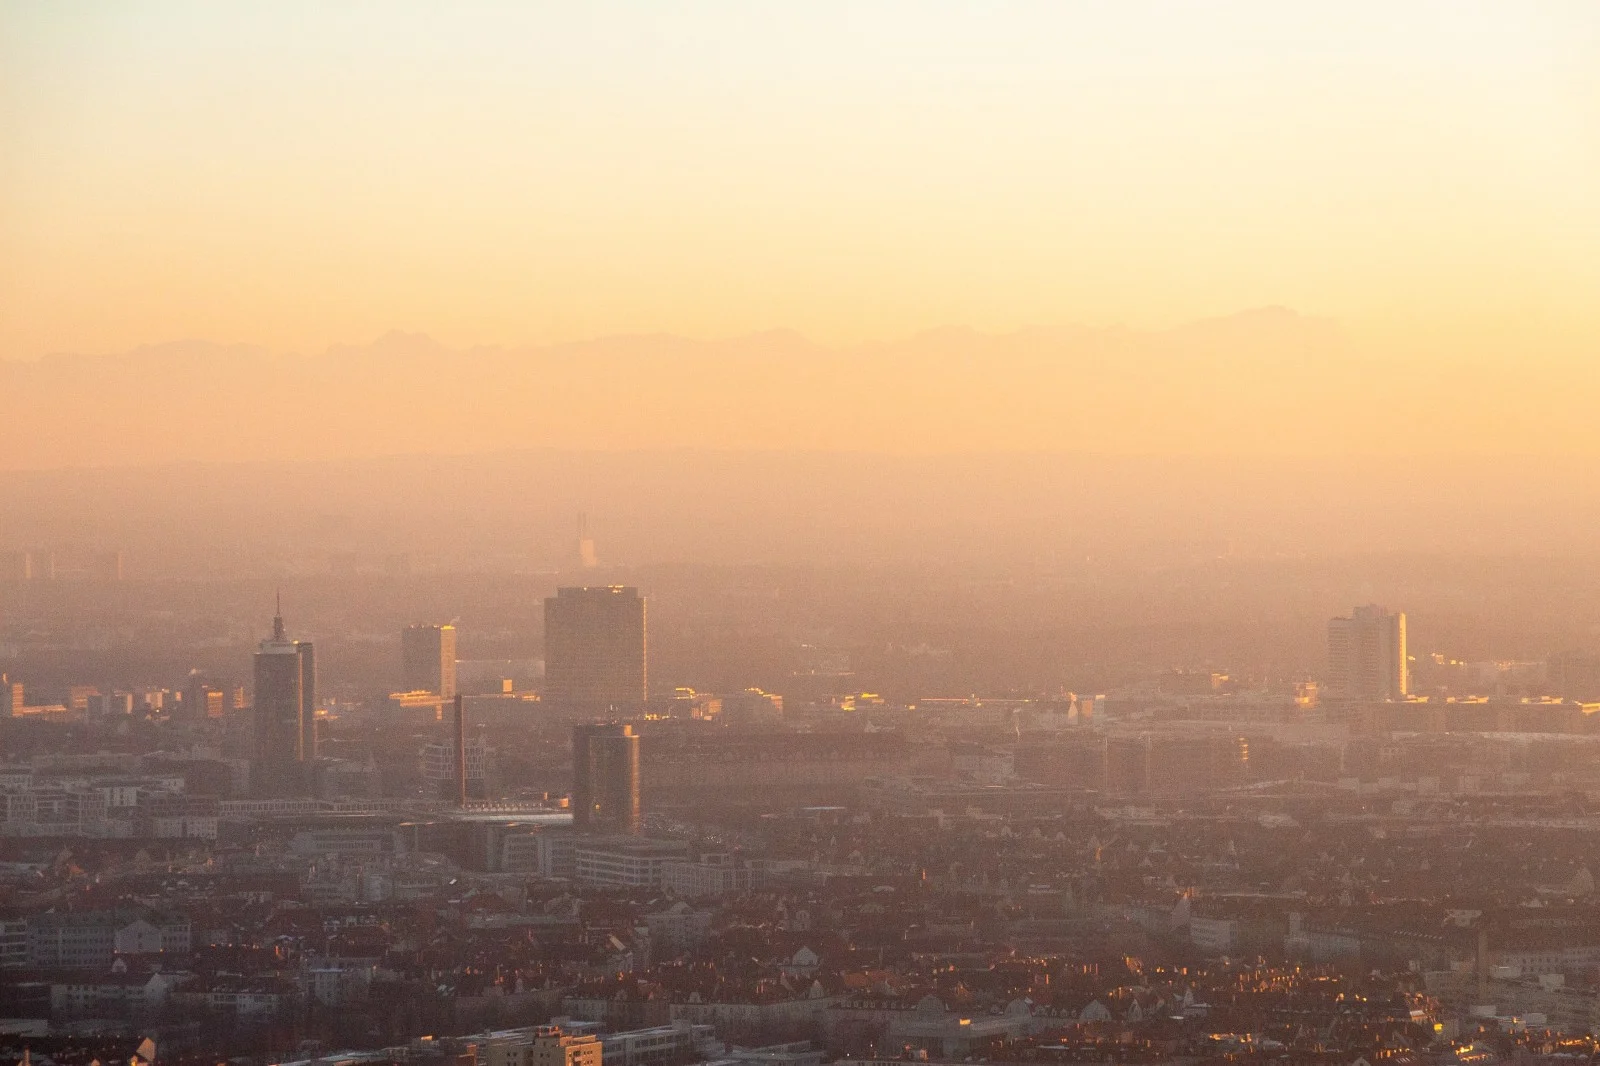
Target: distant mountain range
(1268,381)
(1210,385)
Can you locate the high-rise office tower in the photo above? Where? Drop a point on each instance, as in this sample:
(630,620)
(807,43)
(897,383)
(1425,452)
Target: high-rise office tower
(285,715)
(428,659)
(1367,655)
(605,785)
(587,559)
(594,648)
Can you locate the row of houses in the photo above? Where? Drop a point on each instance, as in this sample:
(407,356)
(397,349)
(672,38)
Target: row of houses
(90,938)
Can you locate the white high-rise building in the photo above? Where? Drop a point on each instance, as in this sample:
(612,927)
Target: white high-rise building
(1367,655)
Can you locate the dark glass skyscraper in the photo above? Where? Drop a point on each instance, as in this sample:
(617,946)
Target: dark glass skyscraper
(285,714)
(605,788)
(594,649)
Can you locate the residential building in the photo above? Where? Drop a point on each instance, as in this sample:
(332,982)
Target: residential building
(94,938)
(13,943)
(122,993)
(1367,655)
(676,929)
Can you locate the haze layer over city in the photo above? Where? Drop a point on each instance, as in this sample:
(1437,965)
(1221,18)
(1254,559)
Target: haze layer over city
(778,534)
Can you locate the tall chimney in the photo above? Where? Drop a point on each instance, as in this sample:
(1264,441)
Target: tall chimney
(461,753)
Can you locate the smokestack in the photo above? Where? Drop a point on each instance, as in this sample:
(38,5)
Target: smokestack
(461,753)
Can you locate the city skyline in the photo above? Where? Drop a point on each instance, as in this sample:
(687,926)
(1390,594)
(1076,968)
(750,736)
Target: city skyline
(800,533)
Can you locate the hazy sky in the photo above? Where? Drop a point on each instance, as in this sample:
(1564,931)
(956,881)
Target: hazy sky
(303,174)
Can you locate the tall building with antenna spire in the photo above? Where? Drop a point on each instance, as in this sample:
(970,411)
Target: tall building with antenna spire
(285,713)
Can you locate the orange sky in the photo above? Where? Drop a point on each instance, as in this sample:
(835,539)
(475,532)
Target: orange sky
(303,174)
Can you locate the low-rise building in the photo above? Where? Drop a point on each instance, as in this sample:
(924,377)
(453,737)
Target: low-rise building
(543,1045)
(710,874)
(121,993)
(13,943)
(660,1045)
(94,938)
(625,862)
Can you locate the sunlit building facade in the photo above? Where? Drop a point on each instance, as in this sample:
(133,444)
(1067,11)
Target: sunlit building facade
(1367,655)
(605,778)
(428,659)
